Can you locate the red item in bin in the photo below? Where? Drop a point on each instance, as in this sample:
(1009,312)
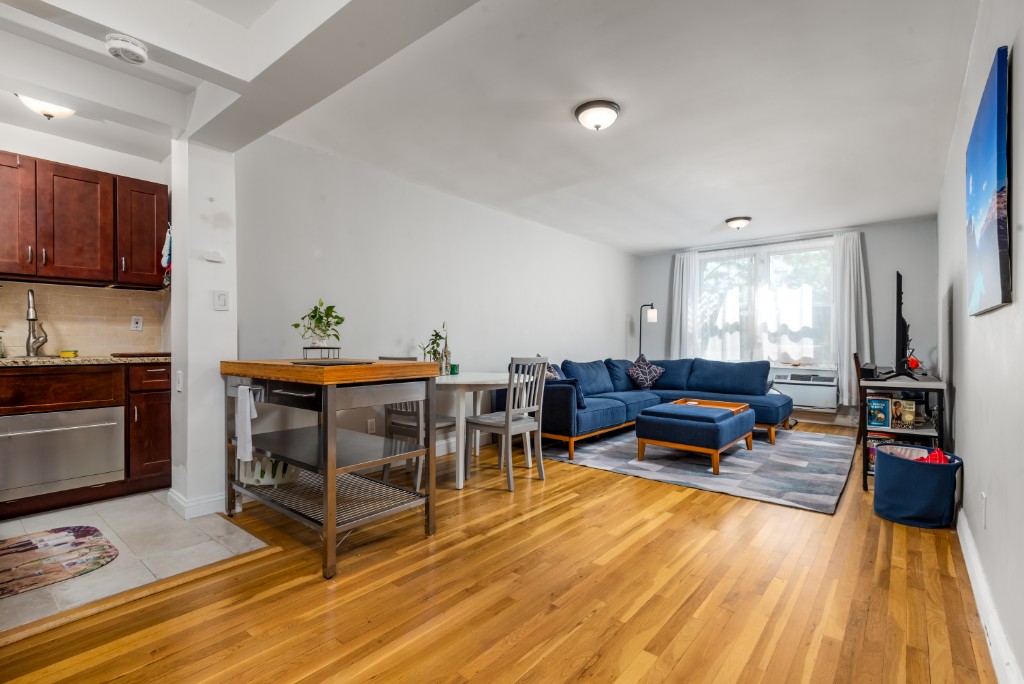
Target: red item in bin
(934,456)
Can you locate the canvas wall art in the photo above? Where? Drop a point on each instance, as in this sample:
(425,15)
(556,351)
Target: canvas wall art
(988,233)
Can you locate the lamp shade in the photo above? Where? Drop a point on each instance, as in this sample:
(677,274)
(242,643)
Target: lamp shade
(50,111)
(652,315)
(597,114)
(737,222)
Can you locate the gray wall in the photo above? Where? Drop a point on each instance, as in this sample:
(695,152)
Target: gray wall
(907,246)
(398,259)
(981,355)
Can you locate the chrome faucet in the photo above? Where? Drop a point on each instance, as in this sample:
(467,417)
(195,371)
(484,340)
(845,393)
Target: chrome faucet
(33,343)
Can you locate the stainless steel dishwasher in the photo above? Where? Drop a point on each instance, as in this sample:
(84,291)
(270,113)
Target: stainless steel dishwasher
(41,453)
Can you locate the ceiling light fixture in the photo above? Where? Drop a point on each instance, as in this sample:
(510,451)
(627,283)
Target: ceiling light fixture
(50,111)
(597,114)
(737,222)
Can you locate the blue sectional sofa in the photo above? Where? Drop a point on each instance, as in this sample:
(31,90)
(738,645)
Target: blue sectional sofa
(598,396)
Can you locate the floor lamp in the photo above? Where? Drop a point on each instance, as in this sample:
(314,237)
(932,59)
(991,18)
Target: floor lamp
(652,317)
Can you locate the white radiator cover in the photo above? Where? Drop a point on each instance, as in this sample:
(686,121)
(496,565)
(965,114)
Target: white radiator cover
(810,388)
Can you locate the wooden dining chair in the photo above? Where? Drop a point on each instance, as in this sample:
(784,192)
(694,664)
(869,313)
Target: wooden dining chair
(405,420)
(522,414)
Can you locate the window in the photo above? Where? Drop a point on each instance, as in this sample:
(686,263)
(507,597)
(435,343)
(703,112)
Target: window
(772,302)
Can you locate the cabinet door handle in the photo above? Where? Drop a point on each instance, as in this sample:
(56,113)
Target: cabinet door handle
(301,395)
(45,431)
(156,370)
(30,254)
(136,414)
(122,264)
(44,256)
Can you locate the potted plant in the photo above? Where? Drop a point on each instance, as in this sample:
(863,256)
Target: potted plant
(320,324)
(436,348)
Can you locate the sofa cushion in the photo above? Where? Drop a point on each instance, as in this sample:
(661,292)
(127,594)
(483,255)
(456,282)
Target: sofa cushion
(581,401)
(635,401)
(617,369)
(727,377)
(676,375)
(644,373)
(599,414)
(769,409)
(593,376)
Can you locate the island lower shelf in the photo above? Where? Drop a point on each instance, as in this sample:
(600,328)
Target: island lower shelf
(360,500)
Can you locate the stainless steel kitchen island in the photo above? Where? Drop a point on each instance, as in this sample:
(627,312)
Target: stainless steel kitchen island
(329,495)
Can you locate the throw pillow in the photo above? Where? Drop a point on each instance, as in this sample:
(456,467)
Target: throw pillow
(581,402)
(553,372)
(644,373)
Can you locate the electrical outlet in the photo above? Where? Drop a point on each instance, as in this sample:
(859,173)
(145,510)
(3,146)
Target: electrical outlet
(371,426)
(136,322)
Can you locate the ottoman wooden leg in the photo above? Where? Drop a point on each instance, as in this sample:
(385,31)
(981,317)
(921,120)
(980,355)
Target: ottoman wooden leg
(750,441)
(771,434)
(640,445)
(714,462)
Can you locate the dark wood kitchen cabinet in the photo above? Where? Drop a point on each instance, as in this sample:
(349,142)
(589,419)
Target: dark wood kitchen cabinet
(66,224)
(17,214)
(148,437)
(141,226)
(74,223)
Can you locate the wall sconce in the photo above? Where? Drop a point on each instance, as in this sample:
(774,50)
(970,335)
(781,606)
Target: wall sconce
(652,317)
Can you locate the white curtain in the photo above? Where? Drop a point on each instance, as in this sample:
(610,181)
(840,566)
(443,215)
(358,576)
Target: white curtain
(853,325)
(684,305)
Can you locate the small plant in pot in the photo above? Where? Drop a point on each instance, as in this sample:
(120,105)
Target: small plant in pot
(320,325)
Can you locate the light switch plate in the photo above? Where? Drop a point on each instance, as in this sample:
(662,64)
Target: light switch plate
(220,300)
(136,322)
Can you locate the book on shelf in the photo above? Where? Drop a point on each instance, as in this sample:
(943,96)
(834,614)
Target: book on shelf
(871,442)
(878,410)
(902,414)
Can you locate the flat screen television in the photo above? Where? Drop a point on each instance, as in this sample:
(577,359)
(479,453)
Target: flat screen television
(901,365)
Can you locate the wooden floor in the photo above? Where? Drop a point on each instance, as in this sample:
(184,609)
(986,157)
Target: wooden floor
(589,575)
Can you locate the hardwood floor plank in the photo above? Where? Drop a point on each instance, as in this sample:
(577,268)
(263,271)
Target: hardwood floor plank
(586,575)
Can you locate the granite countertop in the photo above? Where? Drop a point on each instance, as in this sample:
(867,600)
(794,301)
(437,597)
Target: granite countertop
(107,359)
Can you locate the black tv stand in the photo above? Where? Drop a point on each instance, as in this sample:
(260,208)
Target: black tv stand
(902,373)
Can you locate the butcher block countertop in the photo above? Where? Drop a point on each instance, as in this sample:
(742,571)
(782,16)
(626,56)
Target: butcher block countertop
(102,360)
(340,372)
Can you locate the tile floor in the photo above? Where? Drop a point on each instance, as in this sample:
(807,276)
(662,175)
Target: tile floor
(153,542)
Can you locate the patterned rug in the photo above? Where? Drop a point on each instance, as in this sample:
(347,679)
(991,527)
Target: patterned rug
(803,470)
(41,558)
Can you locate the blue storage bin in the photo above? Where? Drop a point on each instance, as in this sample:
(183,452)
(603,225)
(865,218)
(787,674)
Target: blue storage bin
(912,492)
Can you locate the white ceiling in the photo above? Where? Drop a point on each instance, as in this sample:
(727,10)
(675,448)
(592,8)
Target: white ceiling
(806,114)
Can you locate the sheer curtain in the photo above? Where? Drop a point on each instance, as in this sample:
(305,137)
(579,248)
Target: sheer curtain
(853,325)
(684,305)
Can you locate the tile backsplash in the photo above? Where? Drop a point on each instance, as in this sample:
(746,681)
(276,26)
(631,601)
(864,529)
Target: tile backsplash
(93,320)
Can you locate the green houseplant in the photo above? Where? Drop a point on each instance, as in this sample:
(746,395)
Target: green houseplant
(436,348)
(320,324)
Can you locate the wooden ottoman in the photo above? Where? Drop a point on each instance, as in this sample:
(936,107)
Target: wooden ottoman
(694,426)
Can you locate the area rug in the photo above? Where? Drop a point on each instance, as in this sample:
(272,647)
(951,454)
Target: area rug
(803,469)
(42,558)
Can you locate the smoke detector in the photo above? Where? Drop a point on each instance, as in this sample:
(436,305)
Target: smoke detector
(127,49)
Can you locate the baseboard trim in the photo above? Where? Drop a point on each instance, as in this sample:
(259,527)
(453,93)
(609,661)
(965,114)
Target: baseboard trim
(193,508)
(1003,659)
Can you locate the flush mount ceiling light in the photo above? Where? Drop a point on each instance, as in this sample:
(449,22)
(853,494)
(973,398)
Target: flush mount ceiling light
(597,114)
(50,111)
(737,222)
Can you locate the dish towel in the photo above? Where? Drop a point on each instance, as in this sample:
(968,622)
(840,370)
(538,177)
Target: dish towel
(245,411)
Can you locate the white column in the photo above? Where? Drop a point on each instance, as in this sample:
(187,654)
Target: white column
(203,218)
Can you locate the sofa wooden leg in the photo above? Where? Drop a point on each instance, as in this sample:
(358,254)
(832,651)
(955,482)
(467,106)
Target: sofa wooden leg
(640,445)
(771,434)
(572,448)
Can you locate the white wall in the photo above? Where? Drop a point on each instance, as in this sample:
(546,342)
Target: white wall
(398,259)
(55,148)
(982,357)
(908,246)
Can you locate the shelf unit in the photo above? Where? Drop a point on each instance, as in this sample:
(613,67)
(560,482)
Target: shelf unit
(933,434)
(328,487)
